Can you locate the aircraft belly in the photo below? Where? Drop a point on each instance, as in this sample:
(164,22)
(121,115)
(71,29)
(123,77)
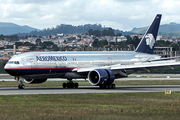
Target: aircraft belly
(56,75)
(43,76)
(35,71)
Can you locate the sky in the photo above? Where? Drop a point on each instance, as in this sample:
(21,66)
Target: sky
(117,14)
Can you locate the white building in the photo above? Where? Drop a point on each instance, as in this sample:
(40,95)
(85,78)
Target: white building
(119,38)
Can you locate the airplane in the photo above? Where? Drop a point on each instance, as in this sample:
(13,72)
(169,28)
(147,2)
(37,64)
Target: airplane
(100,67)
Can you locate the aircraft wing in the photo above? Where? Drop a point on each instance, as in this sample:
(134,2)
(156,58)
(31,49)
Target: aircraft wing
(140,65)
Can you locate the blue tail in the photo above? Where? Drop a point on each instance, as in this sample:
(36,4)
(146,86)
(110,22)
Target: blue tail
(148,41)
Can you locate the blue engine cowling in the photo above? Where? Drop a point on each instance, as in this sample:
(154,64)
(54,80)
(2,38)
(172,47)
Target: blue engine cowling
(100,77)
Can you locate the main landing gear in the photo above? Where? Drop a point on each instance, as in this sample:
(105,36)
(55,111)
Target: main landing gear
(112,86)
(70,84)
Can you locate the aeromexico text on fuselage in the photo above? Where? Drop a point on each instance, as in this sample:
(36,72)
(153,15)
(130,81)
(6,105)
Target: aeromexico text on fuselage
(51,58)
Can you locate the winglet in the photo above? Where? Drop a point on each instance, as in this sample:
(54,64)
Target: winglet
(148,41)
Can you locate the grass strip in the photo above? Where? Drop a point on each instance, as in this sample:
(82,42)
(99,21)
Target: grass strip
(128,106)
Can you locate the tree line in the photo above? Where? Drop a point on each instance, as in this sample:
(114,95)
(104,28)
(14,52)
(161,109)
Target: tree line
(123,44)
(99,33)
(70,29)
(9,37)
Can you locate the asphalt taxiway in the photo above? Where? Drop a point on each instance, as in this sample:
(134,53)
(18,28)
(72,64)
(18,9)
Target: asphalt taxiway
(87,89)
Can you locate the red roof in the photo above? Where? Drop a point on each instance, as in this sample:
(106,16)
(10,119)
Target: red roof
(4,58)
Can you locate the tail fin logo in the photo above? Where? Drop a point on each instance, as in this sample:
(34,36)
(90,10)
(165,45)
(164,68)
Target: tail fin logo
(150,40)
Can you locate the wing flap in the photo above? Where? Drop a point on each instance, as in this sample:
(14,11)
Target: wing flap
(168,58)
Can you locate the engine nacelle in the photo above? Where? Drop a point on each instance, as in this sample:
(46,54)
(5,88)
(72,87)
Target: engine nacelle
(100,77)
(34,81)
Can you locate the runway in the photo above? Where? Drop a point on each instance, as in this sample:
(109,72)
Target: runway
(87,89)
(6,77)
(95,89)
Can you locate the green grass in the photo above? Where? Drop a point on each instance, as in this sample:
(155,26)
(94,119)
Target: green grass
(115,106)
(128,106)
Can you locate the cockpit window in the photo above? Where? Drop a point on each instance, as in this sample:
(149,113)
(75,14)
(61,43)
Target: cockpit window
(13,62)
(16,62)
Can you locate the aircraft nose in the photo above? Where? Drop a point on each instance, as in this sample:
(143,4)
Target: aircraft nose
(7,67)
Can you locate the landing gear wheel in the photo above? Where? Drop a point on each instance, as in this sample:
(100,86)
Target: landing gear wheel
(113,86)
(21,86)
(64,85)
(76,85)
(70,84)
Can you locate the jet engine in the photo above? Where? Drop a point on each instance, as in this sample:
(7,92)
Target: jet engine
(34,81)
(99,77)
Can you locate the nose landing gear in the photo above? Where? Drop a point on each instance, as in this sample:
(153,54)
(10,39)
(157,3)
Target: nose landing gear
(20,80)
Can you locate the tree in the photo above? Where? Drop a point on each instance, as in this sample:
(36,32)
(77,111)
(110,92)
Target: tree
(47,45)
(91,32)
(9,46)
(111,32)
(55,47)
(1,48)
(38,42)
(135,41)
(19,44)
(104,42)
(119,34)
(162,43)
(98,43)
(104,33)
(33,47)
(2,64)
(97,33)
(95,43)
(28,44)
(122,44)
(175,46)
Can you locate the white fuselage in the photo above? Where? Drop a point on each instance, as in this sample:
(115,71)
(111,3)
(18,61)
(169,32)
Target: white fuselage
(62,64)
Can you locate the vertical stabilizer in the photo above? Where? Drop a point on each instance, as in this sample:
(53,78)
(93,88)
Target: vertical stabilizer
(148,41)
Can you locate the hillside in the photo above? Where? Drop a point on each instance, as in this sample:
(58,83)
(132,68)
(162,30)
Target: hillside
(172,29)
(165,28)
(11,28)
(70,29)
